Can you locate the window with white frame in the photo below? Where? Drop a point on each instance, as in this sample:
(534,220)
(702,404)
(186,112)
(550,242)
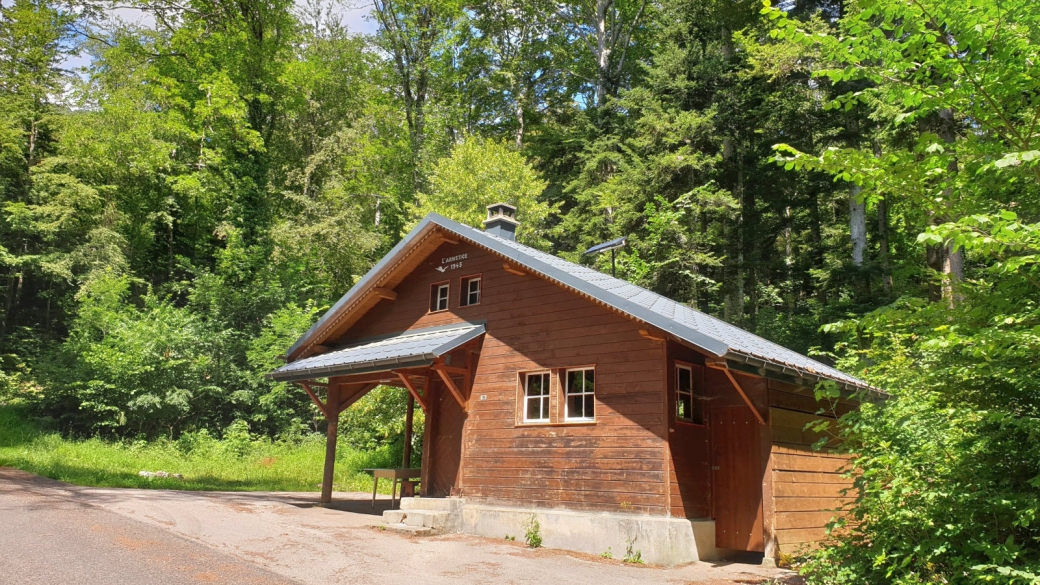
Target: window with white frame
(536,397)
(687,407)
(439,297)
(470,291)
(581,394)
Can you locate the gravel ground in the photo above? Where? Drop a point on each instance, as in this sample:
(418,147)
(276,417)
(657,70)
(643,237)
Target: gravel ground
(52,532)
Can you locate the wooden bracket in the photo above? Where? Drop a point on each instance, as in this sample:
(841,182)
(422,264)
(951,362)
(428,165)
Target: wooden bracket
(314,398)
(347,402)
(721,365)
(450,369)
(512,270)
(651,335)
(320,349)
(385,293)
(411,390)
(452,387)
(448,239)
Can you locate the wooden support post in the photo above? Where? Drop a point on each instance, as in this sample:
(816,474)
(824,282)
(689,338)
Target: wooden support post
(409,414)
(428,447)
(330,445)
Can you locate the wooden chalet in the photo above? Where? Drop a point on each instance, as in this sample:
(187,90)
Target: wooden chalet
(614,414)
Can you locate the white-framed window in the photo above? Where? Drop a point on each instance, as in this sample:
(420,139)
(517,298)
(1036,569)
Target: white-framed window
(581,394)
(536,397)
(687,407)
(439,297)
(470,291)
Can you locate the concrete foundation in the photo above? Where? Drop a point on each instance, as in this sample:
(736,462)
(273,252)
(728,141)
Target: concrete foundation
(656,540)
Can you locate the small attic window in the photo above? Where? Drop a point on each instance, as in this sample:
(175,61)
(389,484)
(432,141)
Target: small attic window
(439,297)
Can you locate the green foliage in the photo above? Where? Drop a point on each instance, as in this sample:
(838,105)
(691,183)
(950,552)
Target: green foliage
(246,463)
(482,172)
(632,555)
(173,217)
(533,532)
(946,469)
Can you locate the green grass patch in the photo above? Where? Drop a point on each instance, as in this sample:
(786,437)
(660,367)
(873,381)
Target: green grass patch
(239,463)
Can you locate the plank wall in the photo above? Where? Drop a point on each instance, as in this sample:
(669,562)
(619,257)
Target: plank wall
(615,464)
(809,488)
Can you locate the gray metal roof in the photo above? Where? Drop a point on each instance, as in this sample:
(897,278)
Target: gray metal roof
(713,336)
(418,347)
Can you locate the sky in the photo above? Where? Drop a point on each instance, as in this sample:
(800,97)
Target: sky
(353,13)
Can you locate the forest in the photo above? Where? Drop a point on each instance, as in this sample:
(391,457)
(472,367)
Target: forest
(858,180)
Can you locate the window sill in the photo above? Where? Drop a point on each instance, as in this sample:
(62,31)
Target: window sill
(571,423)
(690,423)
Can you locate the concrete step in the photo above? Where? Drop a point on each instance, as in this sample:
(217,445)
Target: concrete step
(434,519)
(438,504)
(393,516)
(411,530)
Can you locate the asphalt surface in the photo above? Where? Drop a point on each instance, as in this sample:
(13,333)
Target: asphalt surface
(47,537)
(52,532)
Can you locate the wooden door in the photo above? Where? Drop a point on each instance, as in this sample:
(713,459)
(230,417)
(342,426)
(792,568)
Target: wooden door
(446,438)
(737,477)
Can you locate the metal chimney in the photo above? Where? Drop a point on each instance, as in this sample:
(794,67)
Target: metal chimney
(501,221)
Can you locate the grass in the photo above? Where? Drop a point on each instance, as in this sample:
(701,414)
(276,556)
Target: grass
(205,462)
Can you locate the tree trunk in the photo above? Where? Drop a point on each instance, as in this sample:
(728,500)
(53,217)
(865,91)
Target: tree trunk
(790,300)
(602,50)
(886,267)
(733,301)
(952,262)
(816,236)
(857,225)
(519,125)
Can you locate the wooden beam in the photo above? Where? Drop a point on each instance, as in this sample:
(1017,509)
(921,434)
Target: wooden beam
(320,349)
(314,398)
(452,387)
(512,270)
(346,401)
(653,336)
(385,293)
(721,365)
(448,239)
(450,369)
(415,393)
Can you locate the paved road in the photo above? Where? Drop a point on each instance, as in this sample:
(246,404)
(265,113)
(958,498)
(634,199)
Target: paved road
(51,532)
(48,537)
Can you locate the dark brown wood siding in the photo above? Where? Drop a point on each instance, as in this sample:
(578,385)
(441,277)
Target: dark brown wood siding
(614,464)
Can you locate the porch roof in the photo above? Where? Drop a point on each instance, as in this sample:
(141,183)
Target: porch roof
(408,349)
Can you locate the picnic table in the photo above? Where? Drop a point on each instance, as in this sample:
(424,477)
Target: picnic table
(396,476)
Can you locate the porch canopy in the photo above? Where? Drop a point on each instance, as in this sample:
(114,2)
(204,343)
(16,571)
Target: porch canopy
(401,359)
(409,349)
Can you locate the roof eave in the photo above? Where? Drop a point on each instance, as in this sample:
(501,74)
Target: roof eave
(847,382)
(363,284)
